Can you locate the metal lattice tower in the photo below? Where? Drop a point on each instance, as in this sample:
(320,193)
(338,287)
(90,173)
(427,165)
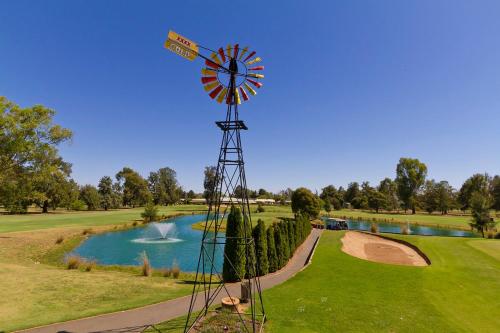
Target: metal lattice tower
(209,286)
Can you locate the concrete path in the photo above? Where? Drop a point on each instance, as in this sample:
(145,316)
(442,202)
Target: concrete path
(160,312)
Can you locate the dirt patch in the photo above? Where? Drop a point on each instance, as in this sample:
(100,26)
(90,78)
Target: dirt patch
(378,249)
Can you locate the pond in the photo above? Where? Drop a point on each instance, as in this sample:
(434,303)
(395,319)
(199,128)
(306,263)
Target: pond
(165,243)
(395,228)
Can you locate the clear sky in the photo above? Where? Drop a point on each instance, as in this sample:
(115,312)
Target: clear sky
(350,87)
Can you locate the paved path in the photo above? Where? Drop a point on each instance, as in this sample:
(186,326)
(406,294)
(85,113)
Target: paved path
(157,313)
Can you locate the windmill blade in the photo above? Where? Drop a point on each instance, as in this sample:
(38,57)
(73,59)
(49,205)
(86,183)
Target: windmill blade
(253,92)
(208,72)
(255,75)
(249,56)
(236,49)
(222,55)
(215,58)
(216,91)
(258,59)
(221,96)
(211,86)
(237,96)
(245,49)
(208,79)
(228,50)
(244,94)
(256,68)
(211,64)
(255,83)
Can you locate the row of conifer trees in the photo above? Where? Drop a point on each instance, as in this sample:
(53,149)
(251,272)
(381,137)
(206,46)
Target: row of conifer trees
(274,245)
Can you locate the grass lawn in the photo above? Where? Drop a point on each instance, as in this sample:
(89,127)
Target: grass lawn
(453,221)
(339,293)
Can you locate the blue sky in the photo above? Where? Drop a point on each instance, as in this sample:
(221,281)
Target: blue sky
(351,86)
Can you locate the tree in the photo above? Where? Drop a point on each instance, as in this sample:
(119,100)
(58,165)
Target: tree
(150,212)
(28,154)
(260,239)
(430,196)
(135,188)
(495,193)
(105,189)
(90,196)
(475,183)
(163,186)
(377,200)
(117,196)
(209,183)
(480,209)
(351,192)
(331,197)
(234,265)
(271,250)
(279,244)
(389,188)
(445,197)
(410,176)
(291,236)
(305,202)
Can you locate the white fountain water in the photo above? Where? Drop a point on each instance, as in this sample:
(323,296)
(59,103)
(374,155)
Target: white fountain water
(163,232)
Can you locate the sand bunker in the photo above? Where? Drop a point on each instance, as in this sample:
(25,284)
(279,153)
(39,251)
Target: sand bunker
(378,249)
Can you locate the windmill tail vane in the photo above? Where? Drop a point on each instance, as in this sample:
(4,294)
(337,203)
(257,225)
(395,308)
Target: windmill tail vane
(231,61)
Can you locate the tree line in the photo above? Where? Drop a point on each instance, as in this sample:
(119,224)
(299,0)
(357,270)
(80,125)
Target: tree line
(410,190)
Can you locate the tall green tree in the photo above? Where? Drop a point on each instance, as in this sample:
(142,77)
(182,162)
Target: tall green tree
(410,176)
(476,183)
(495,192)
(331,197)
(446,198)
(164,187)
(105,189)
(272,256)
(90,196)
(234,265)
(291,236)
(389,189)
(480,209)
(135,188)
(305,202)
(377,200)
(209,183)
(260,238)
(430,196)
(28,153)
(352,192)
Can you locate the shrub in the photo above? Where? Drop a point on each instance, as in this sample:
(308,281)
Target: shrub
(260,208)
(59,240)
(146,265)
(73,262)
(87,231)
(497,236)
(291,236)
(176,271)
(374,228)
(89,265)
(305,202)
(134,224)
(150,212)
(166,272)
(78,205)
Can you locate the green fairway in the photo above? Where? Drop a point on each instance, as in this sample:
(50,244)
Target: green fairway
(339,293)
(453,221)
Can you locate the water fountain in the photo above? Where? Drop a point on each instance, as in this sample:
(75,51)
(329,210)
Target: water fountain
(162,233)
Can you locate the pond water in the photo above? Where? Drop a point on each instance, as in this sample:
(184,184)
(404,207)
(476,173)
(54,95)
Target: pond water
(164,242)
(395,228)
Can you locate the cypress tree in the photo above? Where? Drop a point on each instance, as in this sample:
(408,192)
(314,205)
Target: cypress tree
(298,230)
(234,251)
(286,243)
(278,241)
(271,250)
(260,238)
(251,262)
(291,237)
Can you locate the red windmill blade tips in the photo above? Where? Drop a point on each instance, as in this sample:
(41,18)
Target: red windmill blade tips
(222,55)
(249,56)
(207,79)
(256,68)
(236,50)
(255,83)
(211,64)
(215,92)
(244,94)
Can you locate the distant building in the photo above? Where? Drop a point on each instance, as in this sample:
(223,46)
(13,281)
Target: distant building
(265,201)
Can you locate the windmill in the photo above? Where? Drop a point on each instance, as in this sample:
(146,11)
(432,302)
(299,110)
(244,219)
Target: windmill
(230,75)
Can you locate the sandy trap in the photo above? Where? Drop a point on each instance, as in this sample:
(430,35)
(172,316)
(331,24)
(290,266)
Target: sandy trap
(378,249)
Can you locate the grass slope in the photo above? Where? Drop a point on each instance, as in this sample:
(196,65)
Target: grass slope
(339,293)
